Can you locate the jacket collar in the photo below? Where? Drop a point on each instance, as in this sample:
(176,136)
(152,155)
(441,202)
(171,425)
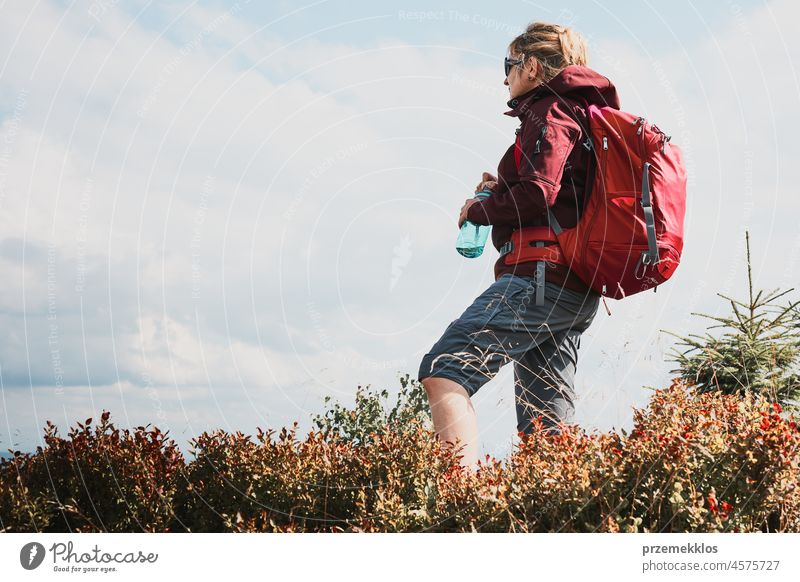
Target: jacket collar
(519,105)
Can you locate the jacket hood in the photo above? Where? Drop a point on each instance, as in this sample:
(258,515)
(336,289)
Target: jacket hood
(574,81)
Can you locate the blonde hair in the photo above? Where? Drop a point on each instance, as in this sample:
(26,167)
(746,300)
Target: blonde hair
(553,46)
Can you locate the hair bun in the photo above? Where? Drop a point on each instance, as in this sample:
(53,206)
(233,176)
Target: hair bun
(553,45)
(573,46)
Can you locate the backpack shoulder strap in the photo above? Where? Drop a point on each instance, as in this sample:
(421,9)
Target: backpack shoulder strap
(591,164)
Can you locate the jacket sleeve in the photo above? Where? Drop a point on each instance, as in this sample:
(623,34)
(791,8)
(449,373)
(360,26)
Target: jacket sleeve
(545,148)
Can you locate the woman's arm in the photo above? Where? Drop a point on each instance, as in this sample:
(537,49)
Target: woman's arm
(544,153)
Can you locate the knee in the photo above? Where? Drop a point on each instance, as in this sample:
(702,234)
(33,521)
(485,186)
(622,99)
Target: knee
(432,386)
(437,388)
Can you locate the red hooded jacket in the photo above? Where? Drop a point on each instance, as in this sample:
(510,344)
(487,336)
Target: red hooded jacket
(553,165)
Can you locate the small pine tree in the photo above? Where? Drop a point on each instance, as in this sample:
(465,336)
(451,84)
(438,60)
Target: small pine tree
(370,415)
(758,351)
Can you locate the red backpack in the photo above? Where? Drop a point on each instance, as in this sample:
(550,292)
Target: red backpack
(629,237)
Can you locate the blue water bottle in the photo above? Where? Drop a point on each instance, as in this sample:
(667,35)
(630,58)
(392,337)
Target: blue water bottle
(472,237)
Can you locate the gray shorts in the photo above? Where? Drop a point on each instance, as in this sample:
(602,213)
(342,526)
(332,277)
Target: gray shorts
(504,324)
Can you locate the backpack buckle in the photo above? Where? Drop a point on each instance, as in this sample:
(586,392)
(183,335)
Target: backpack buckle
(645,260)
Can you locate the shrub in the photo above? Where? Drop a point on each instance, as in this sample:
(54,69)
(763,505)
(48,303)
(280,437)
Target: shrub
(96,480)
(317,484)
(694,461)
(371,416)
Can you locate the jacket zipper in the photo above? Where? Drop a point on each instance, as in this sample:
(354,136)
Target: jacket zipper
(542,133)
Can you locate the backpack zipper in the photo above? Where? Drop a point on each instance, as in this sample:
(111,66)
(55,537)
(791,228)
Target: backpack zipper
(639,120)
(603,295)
(664,138)
(664,141)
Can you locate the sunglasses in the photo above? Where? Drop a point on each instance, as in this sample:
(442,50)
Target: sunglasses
(508,63)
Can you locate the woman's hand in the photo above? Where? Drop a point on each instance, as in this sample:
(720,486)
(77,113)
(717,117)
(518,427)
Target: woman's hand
(487,181)
(464,209)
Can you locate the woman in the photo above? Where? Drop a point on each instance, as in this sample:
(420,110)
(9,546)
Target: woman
(538,327)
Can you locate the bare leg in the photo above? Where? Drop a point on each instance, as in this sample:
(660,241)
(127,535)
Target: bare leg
(454,417)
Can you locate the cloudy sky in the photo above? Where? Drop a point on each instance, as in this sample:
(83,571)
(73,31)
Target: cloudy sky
(215,214)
